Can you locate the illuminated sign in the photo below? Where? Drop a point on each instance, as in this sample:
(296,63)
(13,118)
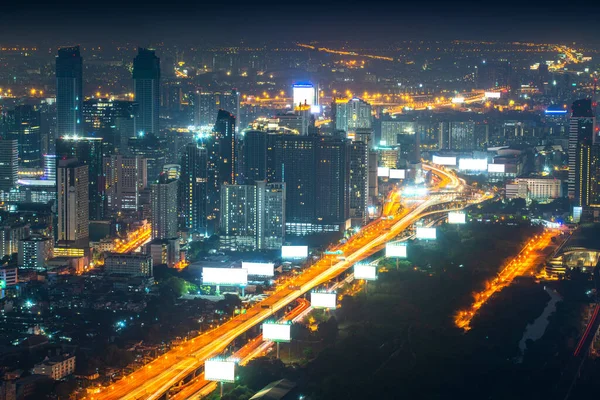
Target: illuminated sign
(500,168)
(458,100)
(365,271)
(491,95)
(276,332)
(395,249)
(224,276)
(259,269)
(444,160)
(457,217)
(2,284)
(383,171)
(323,300)
(577,214)
(559,112)
(294,252)
(426,233)
(303,93)
(397,174)
(219,371)
(472,164)
(315,109)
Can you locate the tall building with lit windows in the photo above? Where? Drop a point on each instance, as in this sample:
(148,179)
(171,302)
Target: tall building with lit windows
(193,184)
(581,140)
(124,180)
(9,163)
(164,208)
(72,202)
(24,126)
(69,91)
(146,88)
(352,115)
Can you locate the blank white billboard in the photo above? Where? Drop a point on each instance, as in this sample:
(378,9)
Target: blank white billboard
(303,93)
(365,271)
(383,171)
(426,233)
(457,217)
(219,371)
(323,300)
(444,160)
(294,252)
(224,276)
(397,250)
(492,95)
(259,268)
(458,100)
(277,332)
(472,164)
(397,174)
(496,168)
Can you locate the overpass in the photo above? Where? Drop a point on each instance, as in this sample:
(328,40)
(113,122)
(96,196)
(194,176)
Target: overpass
(156,378)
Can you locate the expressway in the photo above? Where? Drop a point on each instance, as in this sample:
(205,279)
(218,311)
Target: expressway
(135,240)
(157,377)
(256,347)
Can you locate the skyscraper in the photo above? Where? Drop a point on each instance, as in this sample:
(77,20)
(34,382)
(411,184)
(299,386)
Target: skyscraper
(124,179)
(24,126)
(581,138)
(457,135)
(254,151)
(73,200)
(193,184)
(9,163)
(146,87)
(69,91)
(331,189)
(207,105)
(270,215)
(164,208)
(352,115)
(89,151)
(359,181)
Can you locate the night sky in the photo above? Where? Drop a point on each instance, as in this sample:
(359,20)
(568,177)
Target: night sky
(222,21)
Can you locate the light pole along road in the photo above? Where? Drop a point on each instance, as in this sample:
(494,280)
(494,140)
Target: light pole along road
(155,378)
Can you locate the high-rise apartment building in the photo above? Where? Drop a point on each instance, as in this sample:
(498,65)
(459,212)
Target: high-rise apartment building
(358,188)
(581,140)
(146,88)
(124,179)
(69,91)
(332,178)
(207,105)
(9,163)
(457,135)
(352,115)
(23,124)
(193,185)
(164,208)
(254,150)
(73,202)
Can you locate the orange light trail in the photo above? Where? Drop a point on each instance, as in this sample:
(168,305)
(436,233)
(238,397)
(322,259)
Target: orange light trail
(520,265)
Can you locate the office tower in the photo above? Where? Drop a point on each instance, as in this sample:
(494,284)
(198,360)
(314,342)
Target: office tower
(146,88)
(291,160)
(164,208)
(114,117)
(173,171)
(69,91)
(89,151)
(73,202)
(192,188)
(48,129)
(254,152)
(270,215)
(153,149)
(124,179)
(304,93)
(49,167)
(23,124)
(207,105)
(352,115)
(253,216)
(332,174)
(359,181)
(581,138)
(457,135)
(9,164)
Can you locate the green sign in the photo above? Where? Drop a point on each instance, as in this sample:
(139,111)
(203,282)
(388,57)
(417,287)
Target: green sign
(2,284)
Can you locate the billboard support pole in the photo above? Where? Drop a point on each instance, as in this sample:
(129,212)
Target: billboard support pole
(278,350)
(221,394)
(366,286)
(218,290)
(397,263)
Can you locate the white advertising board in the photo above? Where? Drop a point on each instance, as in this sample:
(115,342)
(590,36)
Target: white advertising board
(303,93)
(455,217)
(492,95)
(277,332)
(365,271)
(259,268)
(219,371)
(472,164)
(383,171)
(426,233)
(224,276)
(323,300)
(444,160)
(458,100)
(501,168)
(397,250)
(294,252)
(397,174)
